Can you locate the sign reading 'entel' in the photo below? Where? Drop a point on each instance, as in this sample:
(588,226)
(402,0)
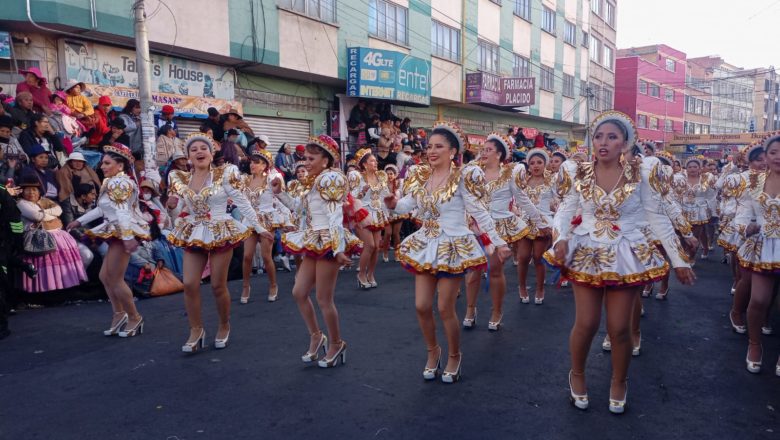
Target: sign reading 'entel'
(385,74)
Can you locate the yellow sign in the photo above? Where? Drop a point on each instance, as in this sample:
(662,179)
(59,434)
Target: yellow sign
(717,139)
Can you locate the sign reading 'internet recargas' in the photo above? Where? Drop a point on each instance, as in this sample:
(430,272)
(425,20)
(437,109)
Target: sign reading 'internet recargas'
(386,74)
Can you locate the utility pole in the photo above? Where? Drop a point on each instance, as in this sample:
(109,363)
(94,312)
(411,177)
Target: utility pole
(588,95)
(143,67)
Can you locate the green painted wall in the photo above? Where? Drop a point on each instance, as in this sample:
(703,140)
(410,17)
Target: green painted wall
(113,17)
(265,19)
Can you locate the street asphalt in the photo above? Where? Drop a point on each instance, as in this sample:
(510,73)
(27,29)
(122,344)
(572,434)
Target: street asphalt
(60,378)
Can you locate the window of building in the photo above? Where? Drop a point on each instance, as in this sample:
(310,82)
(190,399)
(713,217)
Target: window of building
(608,96)
(706,108)
(445,41)
(696,128)
(595,49)
(547,78)
(686,127)
(523,9)
(643,87)
(521,66)
(671,65)
(568,85)
(585,39)
(595,99)
(388,21)
(488,57)
(609,12)
(569,33)
(655,91)
(548,20)
(705,129)
(669,95)
(653,123)
(324,10)
(595,6)
(609,54)
(668,125)
(641,121)
(583,88)
(698,107)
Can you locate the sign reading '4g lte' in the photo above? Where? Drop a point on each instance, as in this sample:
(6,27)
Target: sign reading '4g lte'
(386,74)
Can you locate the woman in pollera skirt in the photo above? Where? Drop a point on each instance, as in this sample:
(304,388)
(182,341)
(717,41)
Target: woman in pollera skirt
(208,233)
(324,244)
(444,249)
(604,252)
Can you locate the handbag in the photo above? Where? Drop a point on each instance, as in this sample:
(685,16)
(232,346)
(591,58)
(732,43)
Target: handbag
(38,242)
(165,283)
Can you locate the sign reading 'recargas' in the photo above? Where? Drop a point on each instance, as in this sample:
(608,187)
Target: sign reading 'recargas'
(386,74)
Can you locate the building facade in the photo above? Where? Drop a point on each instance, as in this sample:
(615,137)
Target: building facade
(766,102)
(732,90)
(650,83)
(286,64)
(698,102)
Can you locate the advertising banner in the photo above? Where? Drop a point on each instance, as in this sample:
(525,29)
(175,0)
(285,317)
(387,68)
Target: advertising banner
(486,88)
(190,87)
(5,45)
(386,74)
(717,139)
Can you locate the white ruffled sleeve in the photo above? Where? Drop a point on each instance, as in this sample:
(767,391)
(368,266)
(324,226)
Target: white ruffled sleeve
(476,199)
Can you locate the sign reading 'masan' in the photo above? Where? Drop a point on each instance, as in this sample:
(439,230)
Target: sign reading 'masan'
(386,74)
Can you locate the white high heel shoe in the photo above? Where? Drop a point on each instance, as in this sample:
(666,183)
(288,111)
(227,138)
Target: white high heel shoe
(606,345)
(580,401)
(431,373)
(200,343)
(114,329)
(313,356)
(220,343)
(495,326)
(619,406)
(453,376)
(470,322)
(753,367)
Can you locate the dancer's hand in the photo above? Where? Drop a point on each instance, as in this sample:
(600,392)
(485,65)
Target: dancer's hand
(343,259)
(265,234)
(503,253)
(130,245)
(691,243)
(685,275)
(561,250)
(276,186)
(73,225)
(391,201)
(752,229)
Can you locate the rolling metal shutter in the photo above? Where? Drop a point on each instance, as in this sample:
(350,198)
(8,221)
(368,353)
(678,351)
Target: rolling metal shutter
(187,126)
(280,130)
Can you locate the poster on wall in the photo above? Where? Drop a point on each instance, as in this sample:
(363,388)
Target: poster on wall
(5,45)
(189,86)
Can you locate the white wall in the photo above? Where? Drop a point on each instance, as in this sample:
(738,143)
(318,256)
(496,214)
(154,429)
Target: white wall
(488,20)
(547,50)
(201,25)
(307,45)
(521,37)
(449,12)
(546,104)
(447,78)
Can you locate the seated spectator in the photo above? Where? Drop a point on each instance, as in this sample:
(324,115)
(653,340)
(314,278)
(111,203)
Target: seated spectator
(215,122)
(11,153)
(117,133)
(284,162)
(373,130)
(298,154)
(234,120)
(167,145)
(40,133)
(206,129)
(178,162)
(166,118)
(61,269)
(131,116)
(82,200)
(57,103)
(231,151)
(72,174)
(39,168)
(262,141)
(99,122)
(383,154)
(79,104)
(35,83)
(22,112)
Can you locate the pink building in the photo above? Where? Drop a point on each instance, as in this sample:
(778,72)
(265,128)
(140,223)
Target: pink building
(650,87)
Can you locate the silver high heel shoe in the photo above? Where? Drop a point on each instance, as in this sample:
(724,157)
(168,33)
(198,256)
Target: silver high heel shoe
(138,329)
(431,373)
(524,299)
(199,343)
(363,285)
(245,295)
(740,329)
(661,296)
(114,329)
(538,301)
(334,361)
(313,356)
(495,326)
(273,294)
(373,284)
(619,406)
(637,349)
(470,322)
(220,343)
(452,377)
(580,401)
(606,345)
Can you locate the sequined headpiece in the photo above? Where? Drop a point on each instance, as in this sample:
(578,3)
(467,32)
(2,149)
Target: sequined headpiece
(455,131)
(619,118)
(328,144)
(542,152)
(193,137)
(696,159)
(264,154)
(121,151)
(772,138)
(361,153)
(503,141)
(666,157)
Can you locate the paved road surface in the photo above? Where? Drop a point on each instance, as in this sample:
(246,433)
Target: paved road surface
(61,379)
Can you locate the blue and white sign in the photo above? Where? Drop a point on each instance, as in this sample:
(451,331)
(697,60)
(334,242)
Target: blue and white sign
(5,45)
(386,74)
